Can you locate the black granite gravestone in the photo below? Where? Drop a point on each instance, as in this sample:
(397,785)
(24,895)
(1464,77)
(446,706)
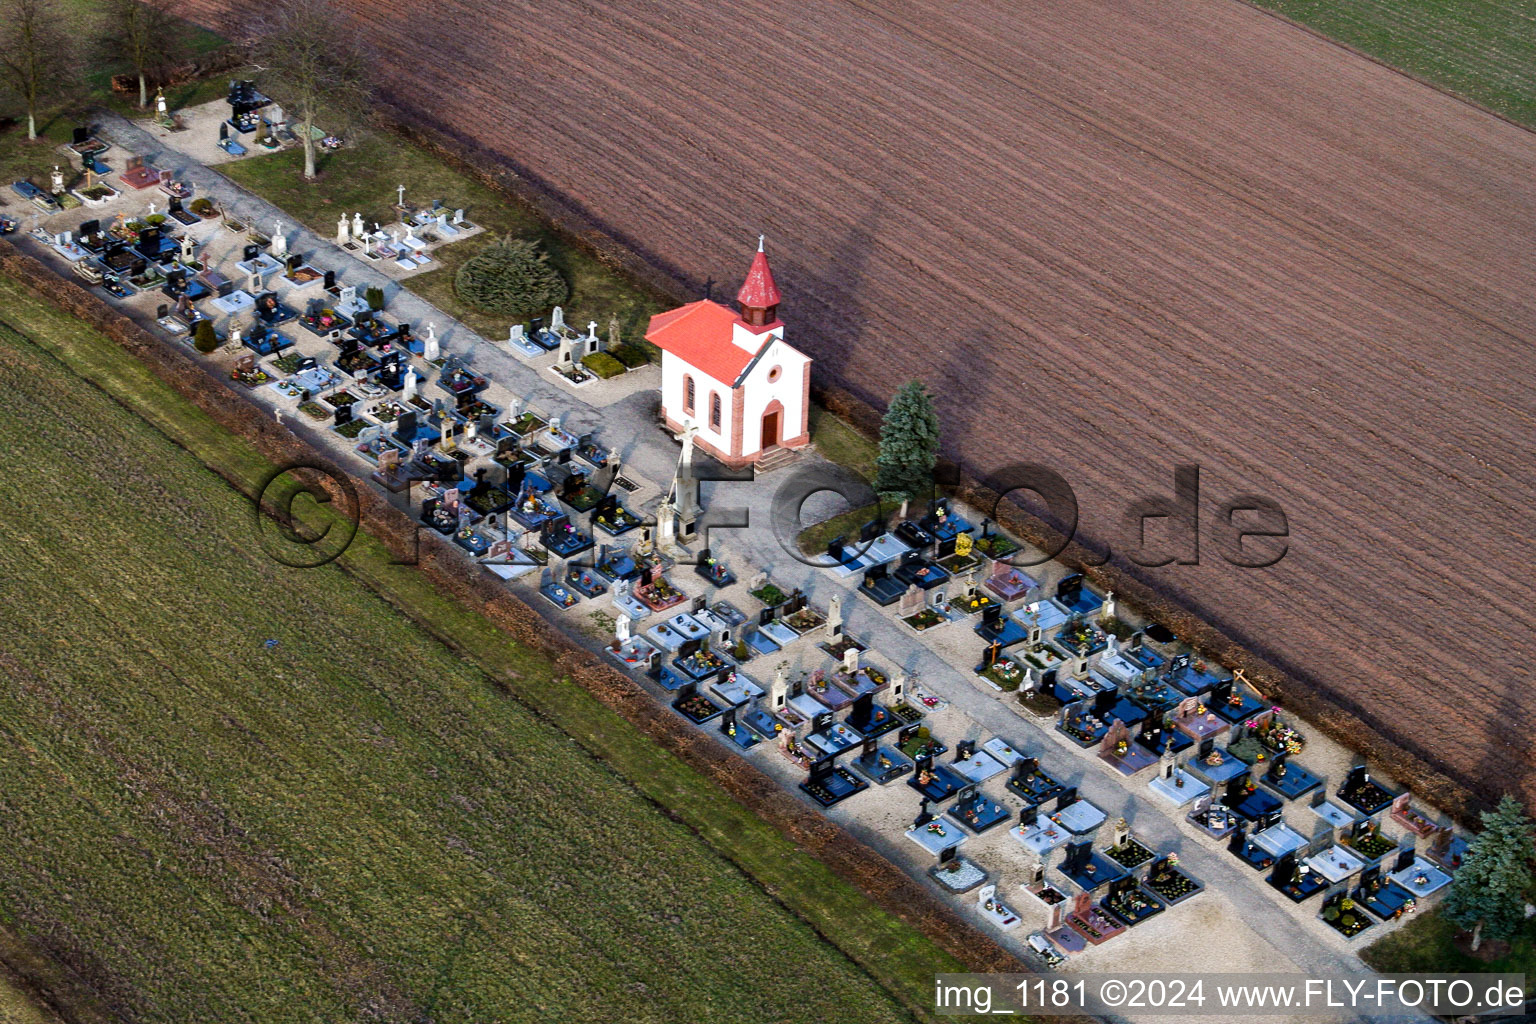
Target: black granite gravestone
(406,426)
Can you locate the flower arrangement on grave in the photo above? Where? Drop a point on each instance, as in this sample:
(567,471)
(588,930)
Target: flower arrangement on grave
(1277,736)
(698,708)
(935,828)
(1121,748)
(925,619)
(974,603)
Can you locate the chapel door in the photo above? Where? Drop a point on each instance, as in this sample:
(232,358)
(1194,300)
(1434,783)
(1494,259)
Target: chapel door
(770,429)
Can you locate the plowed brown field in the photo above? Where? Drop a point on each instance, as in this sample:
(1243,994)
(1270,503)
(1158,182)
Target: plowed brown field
(1113,236)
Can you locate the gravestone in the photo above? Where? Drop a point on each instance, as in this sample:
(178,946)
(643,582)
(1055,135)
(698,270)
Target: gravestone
(851,660)
(778,693)
(911,602)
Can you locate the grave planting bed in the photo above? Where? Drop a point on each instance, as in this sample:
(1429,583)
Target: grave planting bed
(1170,884)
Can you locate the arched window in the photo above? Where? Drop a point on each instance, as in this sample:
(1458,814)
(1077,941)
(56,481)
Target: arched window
(688,395)
(714,411)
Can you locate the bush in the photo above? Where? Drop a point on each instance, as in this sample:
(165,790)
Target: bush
(375,298)
(603,364)
(630,355)
(511,278)
(203,338)
(201,206)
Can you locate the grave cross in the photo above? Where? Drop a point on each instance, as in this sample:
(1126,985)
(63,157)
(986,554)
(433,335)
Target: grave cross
(401,192)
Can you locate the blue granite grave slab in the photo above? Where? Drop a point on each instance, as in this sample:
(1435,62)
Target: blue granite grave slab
(1296,782)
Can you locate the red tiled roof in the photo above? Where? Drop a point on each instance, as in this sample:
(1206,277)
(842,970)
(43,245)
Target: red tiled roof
(700,335)
(758,291)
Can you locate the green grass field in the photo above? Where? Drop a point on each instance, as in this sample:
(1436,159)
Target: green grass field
(1484,50)
(17,1008)
(363,176)
(356,821)
(1427,945)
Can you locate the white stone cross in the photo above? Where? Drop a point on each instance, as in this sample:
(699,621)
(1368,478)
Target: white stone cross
(401,191)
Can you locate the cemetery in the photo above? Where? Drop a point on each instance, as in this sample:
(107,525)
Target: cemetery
(524,481)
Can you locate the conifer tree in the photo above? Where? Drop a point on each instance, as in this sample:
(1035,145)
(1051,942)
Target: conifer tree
(909,446)
(1489,892)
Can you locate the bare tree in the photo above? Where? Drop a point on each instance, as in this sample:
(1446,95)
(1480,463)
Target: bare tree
(311,65)
(36,54)
(144,33)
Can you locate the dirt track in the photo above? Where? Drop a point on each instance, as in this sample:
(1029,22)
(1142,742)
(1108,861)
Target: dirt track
(1114,236)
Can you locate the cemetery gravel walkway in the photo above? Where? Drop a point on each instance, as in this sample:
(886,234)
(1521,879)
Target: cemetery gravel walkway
(1300,944)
